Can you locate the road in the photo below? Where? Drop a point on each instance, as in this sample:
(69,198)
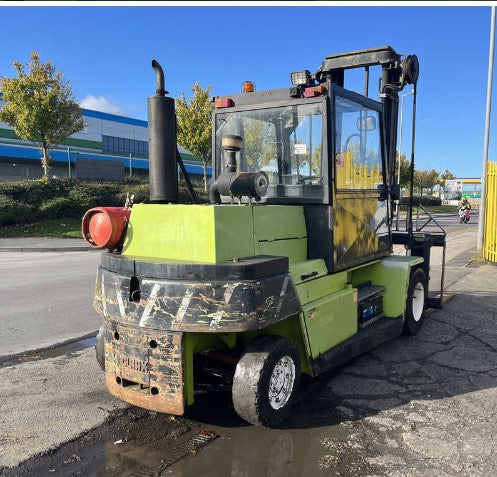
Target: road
(449,221)
(414,406)
(46,298)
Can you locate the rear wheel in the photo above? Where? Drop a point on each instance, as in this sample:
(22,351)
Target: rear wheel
(266,380)
(416,302)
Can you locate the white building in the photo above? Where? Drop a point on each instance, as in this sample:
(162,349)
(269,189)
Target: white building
(109,148)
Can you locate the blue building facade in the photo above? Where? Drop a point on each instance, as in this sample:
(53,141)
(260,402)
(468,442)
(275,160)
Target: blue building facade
(109,148)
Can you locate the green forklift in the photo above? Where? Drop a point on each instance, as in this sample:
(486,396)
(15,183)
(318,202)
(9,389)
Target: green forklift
(290,269)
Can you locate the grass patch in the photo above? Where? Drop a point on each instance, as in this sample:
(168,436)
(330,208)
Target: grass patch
(54,228)
(440,209)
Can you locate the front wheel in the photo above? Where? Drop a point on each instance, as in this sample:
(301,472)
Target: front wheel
(266,380)
(416,302)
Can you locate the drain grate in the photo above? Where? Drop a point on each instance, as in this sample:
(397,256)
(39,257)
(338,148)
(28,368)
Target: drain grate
(143,473)
(191,446)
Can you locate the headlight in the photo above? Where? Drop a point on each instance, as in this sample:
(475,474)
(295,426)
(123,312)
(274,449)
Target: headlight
(300,77)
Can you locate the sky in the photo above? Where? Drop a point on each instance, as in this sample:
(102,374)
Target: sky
(105,52)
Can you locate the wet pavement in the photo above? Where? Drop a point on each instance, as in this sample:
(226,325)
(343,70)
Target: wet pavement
(134,442)
(67,349)
(422,405)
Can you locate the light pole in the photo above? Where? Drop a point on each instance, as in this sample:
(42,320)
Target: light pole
(402,96)
(481,211)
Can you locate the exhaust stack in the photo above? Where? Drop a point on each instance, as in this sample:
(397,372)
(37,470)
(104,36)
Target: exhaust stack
(163,173)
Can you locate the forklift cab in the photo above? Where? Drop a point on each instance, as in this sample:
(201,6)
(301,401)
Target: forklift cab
(322,149)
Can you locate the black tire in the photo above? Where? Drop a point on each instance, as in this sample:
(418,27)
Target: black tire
(414,315)
(99,347)
(251,383)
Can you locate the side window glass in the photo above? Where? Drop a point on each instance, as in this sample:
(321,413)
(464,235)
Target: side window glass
(305,149)
(260,146)
(358,146)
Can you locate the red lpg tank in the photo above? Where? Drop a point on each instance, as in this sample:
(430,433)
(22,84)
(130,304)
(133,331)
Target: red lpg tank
(103,227)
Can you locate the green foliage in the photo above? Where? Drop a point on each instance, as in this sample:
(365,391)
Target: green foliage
(34,192)
(85,195)
(66,227)
(405,170)
(33,200)
(40,106)
(57,208)
(13,211)
(425,200)
(425,179)
(194,124)
(446,176)
(259,143)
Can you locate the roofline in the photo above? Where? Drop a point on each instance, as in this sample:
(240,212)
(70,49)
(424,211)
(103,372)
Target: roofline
(91,113)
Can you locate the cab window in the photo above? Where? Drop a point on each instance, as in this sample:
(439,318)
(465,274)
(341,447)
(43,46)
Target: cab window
(285,142)
(358,163)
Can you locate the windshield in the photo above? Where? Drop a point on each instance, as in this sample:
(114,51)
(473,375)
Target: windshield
(284,142)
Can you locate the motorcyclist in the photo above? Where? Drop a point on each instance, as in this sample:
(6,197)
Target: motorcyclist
(464,208)
(465,204)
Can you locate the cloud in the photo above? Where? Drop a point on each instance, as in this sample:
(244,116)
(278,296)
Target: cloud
(100,104)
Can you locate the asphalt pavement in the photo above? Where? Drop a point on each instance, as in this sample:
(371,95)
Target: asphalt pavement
(46,299)
(449,221)
(413,406)
(43,244)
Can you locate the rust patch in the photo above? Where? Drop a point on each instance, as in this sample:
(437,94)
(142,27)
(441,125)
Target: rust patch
(145,367)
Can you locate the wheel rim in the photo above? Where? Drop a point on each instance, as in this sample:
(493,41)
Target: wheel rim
(418,301)
(281,382)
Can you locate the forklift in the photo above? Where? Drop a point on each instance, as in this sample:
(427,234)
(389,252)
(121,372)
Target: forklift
(289,270)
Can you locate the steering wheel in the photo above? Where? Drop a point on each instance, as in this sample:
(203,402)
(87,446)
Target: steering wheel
(309,180)
(349,138)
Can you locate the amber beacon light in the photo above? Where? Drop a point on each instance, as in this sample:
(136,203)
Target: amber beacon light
(248,87)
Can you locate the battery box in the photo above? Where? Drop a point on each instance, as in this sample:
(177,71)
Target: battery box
(369,308)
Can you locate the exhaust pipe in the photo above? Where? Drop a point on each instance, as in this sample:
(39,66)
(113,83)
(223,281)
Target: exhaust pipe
(163,175)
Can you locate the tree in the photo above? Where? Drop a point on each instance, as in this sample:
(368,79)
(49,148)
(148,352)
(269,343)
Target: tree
(40,106)
(425,179)
(260,144)
(446,176)
(405,170)
(194,124)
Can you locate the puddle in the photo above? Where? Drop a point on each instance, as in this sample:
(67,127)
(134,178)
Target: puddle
(310,442)
(258,452)
(135,442)
(65,349)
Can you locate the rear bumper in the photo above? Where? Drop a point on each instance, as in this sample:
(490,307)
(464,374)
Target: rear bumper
(247,295)
(145,367)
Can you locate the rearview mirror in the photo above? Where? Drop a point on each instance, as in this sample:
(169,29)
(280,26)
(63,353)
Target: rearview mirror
(366,123)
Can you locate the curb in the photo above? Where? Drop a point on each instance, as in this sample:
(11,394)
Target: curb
(75,248)
(27,353)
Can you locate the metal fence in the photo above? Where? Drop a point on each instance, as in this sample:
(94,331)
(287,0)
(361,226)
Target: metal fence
(490,243)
